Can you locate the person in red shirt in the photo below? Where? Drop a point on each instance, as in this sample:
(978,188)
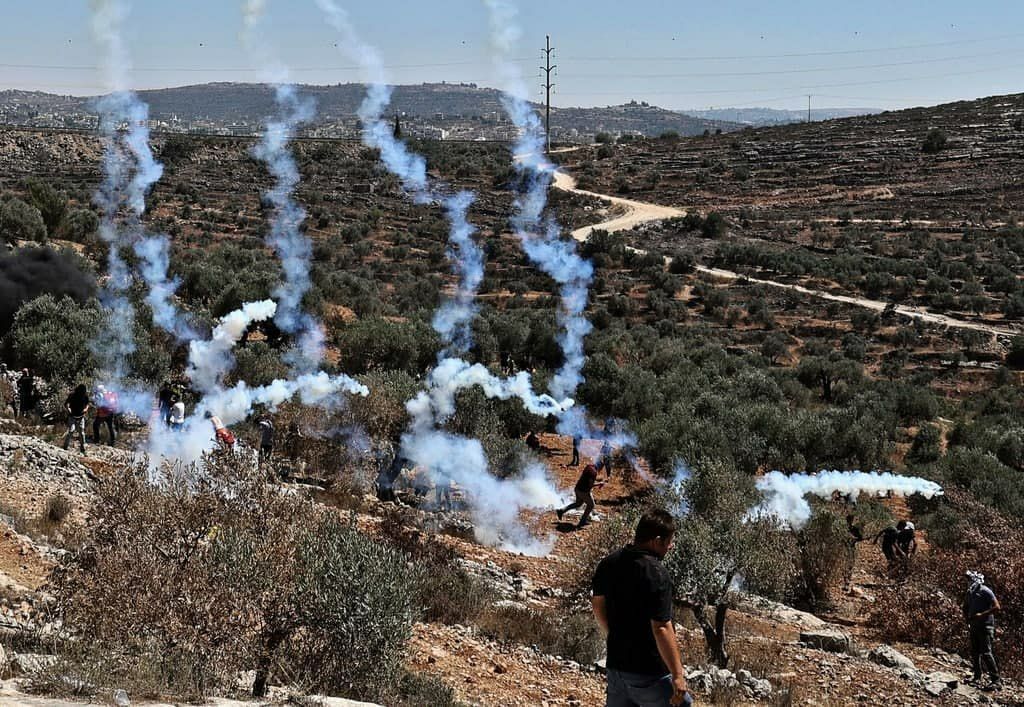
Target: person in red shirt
(106,407)
(585,486)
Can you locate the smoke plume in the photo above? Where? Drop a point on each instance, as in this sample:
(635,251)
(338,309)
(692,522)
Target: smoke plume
(291,246)
(209,361)
(28,273)
(495,502)
(129,171)
(784,495)
(541,241)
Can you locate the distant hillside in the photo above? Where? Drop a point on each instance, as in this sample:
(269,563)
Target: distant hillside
(770,116)
(440,109)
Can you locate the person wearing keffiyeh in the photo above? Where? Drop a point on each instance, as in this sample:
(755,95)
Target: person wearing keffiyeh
(980,607)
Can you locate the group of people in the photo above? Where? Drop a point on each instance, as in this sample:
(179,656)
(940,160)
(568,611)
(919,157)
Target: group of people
(392,468)
(899,542)
(632,602)
(105,405)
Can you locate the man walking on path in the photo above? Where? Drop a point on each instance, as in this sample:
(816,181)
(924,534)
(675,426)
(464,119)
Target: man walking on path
(980,607)
(584,490)
(632,602)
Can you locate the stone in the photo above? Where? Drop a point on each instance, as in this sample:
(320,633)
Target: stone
(601,666)
(753,604)
(29,663)
(121,698)
(890,657)
(827,639)
(3,660)
(948,679)
(337,702)
(762,688)
(935,688)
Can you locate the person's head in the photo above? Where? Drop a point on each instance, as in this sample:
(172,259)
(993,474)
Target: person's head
(207,414)
(655,532)
(175,399)
(974,579)
(901,525)
(81,390)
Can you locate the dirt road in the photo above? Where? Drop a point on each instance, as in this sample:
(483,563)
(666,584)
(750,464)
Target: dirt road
(631,213)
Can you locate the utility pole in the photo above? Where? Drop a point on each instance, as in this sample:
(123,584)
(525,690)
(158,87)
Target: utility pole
(547,85)
(808,108)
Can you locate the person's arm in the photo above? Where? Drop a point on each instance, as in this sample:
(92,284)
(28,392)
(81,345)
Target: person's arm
(600,613)
(668,649)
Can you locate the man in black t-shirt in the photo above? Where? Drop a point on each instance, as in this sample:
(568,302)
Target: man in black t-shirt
(889,547)
(632,603)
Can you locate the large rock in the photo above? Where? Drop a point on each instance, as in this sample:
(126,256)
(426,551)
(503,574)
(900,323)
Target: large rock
(29,663)
(827,639)
(759,606)
(3,661)
(890,658)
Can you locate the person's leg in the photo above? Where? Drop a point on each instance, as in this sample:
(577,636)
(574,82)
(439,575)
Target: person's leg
(81,434)
(111,429)
(95,430)
(975,652)
(589,501)
(617,694)
(988,659)
(648,691)
(71,431)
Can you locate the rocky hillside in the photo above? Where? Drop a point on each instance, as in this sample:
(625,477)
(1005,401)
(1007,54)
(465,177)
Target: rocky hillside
(780,655)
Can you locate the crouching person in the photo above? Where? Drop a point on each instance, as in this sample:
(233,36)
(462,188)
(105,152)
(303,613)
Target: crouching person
(632,602)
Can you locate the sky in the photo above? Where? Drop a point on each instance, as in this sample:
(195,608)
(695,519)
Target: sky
(676,54)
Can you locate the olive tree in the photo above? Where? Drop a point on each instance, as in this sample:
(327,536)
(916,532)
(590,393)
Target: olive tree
(719,548)
(21,221)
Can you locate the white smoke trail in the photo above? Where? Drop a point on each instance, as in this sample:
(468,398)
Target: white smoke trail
(292,247)
(495,503)
(454,318)
(130,170)
(209,361)
(452,375)
(542,243)
(784,495)
(115,343)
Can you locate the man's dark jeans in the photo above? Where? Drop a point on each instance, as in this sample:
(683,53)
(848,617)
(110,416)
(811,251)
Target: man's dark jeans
(637,690)
(981,650)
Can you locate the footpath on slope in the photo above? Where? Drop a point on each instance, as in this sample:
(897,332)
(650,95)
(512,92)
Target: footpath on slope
(632,213)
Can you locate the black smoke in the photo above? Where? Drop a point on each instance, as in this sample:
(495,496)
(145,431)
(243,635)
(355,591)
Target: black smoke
(28,273)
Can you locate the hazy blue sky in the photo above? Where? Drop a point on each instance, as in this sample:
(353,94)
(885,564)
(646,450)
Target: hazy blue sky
(682,54)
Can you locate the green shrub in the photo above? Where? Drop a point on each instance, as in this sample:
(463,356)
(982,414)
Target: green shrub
(234,575)
(934,141)
(21,221)
(52,337)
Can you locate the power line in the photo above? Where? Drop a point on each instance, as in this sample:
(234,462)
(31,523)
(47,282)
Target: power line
(193,69)
(796,54)
(776,72)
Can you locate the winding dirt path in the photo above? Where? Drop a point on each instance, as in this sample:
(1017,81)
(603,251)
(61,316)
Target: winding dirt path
(632,213)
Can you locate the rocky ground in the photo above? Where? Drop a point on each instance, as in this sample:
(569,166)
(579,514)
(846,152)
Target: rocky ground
(780,655)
